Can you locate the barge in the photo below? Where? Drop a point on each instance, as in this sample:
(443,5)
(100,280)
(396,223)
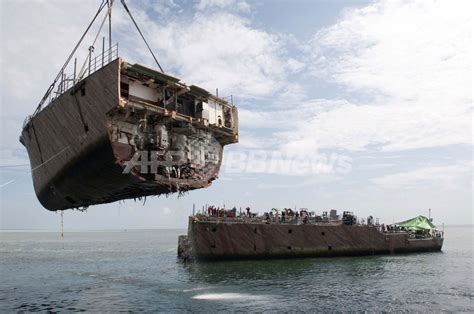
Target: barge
(220,238)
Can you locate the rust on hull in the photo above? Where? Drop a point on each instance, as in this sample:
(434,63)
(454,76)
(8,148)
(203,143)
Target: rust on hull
(124,132)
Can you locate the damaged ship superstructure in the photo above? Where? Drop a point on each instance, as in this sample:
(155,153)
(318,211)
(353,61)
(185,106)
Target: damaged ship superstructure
(126,131)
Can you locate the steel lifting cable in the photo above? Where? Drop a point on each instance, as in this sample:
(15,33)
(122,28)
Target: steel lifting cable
(38,166)
(50,89)
(82,72)
(141,34)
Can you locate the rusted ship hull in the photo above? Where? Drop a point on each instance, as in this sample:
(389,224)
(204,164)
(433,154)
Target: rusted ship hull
(208,240)
(126,132)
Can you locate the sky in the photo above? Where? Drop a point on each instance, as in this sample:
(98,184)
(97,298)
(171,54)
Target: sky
(351,105)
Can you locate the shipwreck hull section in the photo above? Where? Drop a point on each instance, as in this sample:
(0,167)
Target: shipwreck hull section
(216,241)
(124,132)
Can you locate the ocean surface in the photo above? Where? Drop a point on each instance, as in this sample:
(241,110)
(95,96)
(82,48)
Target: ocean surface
(138,271)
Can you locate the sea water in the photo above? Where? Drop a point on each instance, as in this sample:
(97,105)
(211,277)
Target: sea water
(138,270)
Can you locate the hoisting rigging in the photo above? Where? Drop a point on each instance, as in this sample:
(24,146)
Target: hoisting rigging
(104,3)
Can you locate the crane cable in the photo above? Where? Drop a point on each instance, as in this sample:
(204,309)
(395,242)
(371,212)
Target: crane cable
(50,89)
(82,72)
(141,34)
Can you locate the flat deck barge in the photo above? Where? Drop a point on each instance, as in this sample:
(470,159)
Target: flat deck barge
(217,238)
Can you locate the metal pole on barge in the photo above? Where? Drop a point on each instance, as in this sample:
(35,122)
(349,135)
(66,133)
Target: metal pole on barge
(103,50)
(90,56)
(75,67)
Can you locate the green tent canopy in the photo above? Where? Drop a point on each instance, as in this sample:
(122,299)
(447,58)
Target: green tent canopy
(417,223)
(278,210)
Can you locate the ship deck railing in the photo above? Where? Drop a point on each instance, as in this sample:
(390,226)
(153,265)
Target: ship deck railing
(93,64)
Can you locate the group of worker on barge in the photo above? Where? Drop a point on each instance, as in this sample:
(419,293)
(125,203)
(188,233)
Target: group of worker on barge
(305,216)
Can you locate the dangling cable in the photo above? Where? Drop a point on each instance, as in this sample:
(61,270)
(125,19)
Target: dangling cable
(143,37)
(62,225)
(50,89)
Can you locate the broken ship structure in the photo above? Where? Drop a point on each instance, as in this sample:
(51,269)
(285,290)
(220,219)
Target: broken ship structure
(117,130)
(126,131)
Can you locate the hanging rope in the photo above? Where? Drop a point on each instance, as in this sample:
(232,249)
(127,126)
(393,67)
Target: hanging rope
(40,165)
(50,89)
(141,34)
(27,165)
(14,166)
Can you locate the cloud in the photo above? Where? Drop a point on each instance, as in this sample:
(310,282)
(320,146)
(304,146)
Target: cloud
(286,117)
(409,67)
(221,50)
(385,127)
(166,8)
(238,5)
(445,177)
(37,38)
(268,161)
(406,50)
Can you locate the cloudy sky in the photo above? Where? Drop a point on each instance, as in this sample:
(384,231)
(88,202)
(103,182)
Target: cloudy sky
(353,105)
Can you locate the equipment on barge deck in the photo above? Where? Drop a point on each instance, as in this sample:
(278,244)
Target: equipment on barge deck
(348,218)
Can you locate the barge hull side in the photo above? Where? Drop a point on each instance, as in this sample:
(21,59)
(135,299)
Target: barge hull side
(211,241)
